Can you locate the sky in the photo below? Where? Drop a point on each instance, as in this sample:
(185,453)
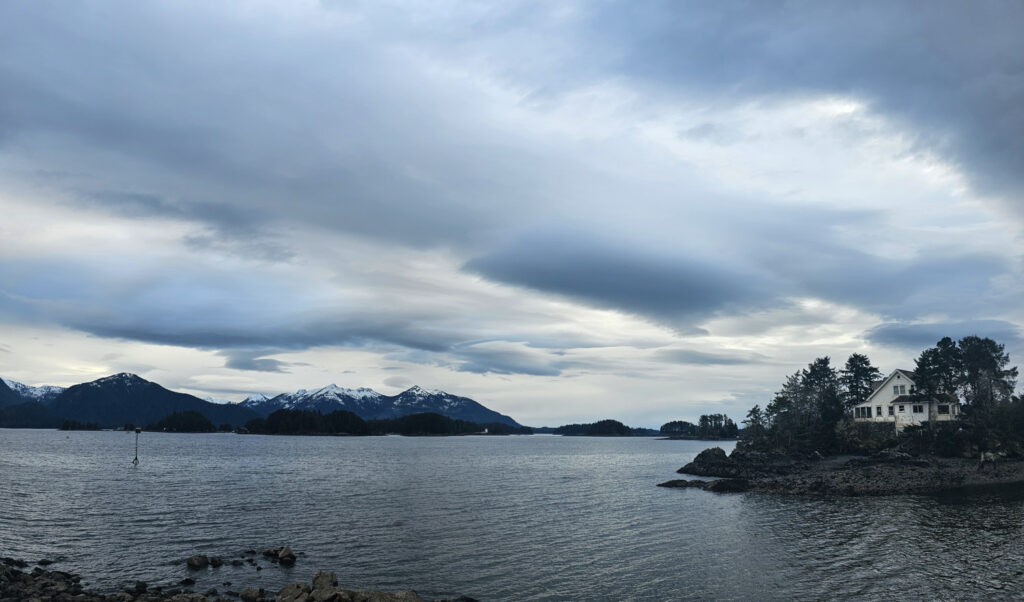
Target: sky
(567,211)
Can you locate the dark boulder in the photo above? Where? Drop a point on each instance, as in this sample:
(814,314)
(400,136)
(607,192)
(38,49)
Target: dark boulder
(295,592)
(286,557)
(712,462)
(325,580)
(199,561)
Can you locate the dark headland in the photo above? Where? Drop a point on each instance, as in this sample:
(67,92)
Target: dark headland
(952,422)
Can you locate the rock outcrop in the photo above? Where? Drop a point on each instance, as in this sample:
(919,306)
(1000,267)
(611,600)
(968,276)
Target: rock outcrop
(716,485)
(887,473)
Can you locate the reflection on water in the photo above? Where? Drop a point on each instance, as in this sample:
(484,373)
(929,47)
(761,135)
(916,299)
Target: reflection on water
(492,517)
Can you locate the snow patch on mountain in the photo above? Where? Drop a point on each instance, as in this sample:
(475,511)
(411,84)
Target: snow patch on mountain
(419,391)
(41,393)
(126,379)
(215,400)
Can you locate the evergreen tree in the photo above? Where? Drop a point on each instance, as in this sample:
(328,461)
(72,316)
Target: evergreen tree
(951,365)
(985,380)
(856,380)
(928,372)
(755,425)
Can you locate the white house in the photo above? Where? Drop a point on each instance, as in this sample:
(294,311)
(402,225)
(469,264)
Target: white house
(896,400)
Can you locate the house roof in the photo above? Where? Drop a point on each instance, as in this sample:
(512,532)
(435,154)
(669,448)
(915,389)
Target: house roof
(895,373)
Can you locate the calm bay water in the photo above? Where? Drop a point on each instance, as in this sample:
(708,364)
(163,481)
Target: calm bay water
(496,518)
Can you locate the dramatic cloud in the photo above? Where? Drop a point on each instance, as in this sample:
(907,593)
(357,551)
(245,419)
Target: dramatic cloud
(619,276)
(954,73)
(554,207)
(700,358)
(243,359)
(921,336)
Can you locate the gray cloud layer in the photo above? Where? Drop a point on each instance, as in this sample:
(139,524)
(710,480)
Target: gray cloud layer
(407,131)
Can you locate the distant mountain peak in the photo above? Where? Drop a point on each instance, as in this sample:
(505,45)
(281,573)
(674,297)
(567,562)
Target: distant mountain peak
(127,377)
(332,389)
(420,391)
(126,398)
(256,398)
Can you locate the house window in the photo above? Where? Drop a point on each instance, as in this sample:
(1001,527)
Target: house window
(892,411)
(901,408)
(943,409)
(919,409)
(878,410)
(895,389)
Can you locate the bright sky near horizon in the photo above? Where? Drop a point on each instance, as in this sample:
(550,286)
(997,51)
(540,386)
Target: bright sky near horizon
(565,210)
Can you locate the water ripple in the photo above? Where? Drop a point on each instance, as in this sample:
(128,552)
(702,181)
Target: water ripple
(525,518)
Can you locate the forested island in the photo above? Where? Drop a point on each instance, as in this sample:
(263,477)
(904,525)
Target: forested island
(602,428)
(710,427)
(808,440)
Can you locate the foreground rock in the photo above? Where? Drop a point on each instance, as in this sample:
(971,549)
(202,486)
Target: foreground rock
(886,473)
(716,485)
(43,585)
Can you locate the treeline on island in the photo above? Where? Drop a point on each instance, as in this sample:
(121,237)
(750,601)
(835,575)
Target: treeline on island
(601,428)
(78,425)
(709,427)
(341,422)
(812,410)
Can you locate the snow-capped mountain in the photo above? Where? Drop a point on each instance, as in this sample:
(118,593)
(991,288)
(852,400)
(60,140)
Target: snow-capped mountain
(369,404)
(43,394)
(326,399)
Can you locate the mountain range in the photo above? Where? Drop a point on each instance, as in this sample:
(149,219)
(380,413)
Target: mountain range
(125,398)
(369,404)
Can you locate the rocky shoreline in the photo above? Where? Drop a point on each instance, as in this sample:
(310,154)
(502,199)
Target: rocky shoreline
(886,473)
(42,585)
